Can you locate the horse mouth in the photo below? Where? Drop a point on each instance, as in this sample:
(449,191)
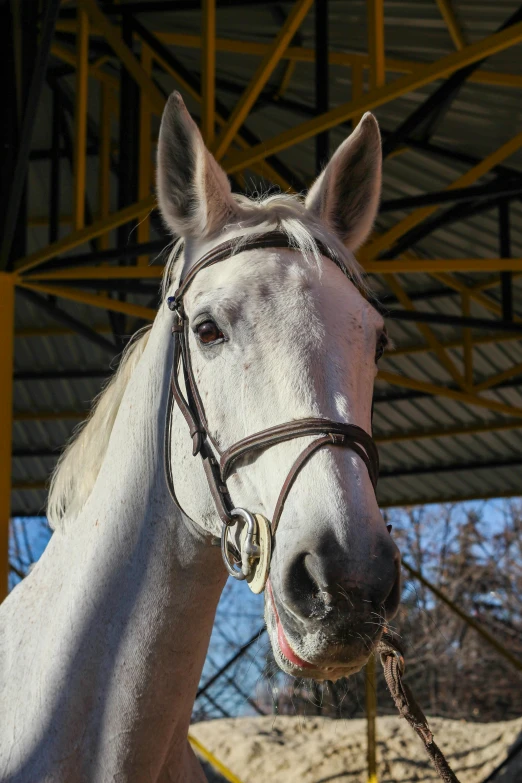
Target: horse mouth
(291,662)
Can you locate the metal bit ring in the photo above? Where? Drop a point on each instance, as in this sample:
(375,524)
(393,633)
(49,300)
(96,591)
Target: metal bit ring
(250,550)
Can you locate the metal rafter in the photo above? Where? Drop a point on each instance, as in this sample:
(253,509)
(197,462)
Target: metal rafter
(424,120)
(444,391)
(66,282)
(390,237)
(425,74)
(261,76)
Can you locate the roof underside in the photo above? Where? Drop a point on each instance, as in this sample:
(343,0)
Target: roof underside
(58,371)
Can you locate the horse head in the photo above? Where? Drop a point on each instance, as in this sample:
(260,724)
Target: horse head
(277,335)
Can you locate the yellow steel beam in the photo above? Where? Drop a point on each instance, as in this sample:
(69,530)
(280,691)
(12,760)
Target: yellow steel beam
(494,380)
(489,339)
(400,266)
(489,638)
(208,72)
(145,151)
(78,238)
(69,57)
(386,240)
(285,81)
(6,417)
(476,296)
(293,53)
(224,771)
(467,340)
(346,59)
(425,330)
(491,282)
(452,394)
(498,425)
(104,162)
(99,273)
(425,74)
(261,76)
(113,38)
(38,221)
(101,61)
(357,73)
(49,415)
(80,119)
(55,331)
(28,486)
(434,265)
(371,719)
(94,300)
(452,23)
(375,16)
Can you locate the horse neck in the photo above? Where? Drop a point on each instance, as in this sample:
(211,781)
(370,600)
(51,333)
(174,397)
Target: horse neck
(135,616)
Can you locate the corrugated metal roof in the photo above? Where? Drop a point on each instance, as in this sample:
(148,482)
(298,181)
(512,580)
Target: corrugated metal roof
(480,119)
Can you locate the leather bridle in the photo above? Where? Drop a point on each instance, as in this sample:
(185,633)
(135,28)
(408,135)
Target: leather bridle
(219,464)
(217,469)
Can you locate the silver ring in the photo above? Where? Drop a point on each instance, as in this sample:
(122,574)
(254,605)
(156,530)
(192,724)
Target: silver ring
(251,550)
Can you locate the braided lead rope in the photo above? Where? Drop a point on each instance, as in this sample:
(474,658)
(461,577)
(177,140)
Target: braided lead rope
(393,664)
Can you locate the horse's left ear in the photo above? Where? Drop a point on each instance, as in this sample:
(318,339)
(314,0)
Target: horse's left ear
(346,195)
(193,190)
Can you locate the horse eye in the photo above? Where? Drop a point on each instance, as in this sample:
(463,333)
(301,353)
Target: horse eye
(208,332)
(382,342)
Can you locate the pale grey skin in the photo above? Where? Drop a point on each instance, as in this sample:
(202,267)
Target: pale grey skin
(102,645)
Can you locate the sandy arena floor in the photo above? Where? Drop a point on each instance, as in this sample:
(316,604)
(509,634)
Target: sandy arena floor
(319,750)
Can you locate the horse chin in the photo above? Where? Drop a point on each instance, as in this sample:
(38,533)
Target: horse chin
(311,659)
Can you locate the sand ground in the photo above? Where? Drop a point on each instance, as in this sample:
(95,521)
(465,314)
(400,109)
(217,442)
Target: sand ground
(285,749)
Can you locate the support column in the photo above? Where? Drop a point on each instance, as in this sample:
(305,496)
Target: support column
(322,140)
(80,129)
(208,70)
(145,152)
(371,718)
(104,161)
(375,13)
(6,417)
(467,341)
(506,278)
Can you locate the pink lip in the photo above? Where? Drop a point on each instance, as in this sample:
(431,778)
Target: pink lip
(283,642)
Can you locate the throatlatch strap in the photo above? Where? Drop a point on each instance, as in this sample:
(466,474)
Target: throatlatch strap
(393,664)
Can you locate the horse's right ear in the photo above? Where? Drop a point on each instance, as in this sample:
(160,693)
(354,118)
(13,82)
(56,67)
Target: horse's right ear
(193,190)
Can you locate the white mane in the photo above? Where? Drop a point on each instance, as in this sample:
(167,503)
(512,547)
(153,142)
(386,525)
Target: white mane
(77,469)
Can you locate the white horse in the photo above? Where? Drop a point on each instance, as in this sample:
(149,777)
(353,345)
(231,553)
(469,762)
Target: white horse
(103,644)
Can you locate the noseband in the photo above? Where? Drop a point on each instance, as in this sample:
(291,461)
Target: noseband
(219,464)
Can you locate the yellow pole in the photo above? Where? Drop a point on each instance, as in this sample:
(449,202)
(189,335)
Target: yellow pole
(371,716)
(452,23)
(467,340)
(104,173)
(375,14)
(208,71)
(80,123)
(225,771)
(357,87)
(6,417)
(145,165)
